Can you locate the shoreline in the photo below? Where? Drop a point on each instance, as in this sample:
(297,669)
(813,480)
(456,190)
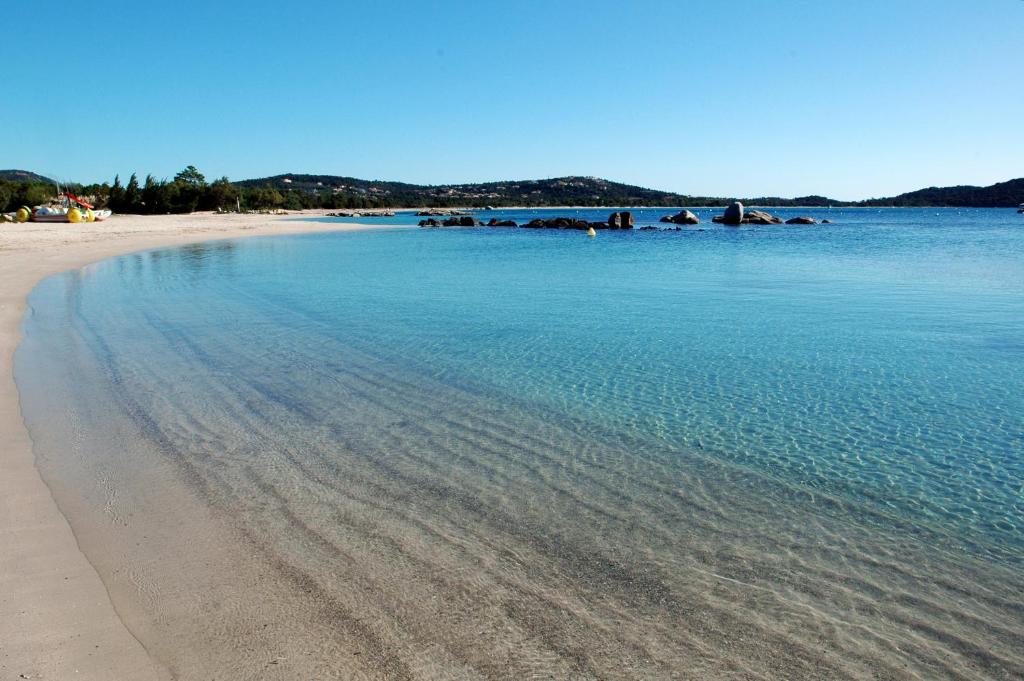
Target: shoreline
(56,616)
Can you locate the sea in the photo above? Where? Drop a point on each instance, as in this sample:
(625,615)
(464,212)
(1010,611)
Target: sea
(754,452)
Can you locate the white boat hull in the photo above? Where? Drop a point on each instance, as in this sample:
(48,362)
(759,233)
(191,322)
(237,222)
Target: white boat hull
(98,216)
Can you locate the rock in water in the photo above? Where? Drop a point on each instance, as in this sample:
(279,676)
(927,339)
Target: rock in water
(620,220)
(801,221)
(683,218)
(733,214)
(759,217)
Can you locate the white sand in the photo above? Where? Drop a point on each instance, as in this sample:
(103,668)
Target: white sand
(56,619)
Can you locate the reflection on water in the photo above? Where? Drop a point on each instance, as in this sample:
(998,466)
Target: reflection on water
(765,453)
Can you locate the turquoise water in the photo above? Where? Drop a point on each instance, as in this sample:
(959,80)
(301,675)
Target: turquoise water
(880,359)
(776,407)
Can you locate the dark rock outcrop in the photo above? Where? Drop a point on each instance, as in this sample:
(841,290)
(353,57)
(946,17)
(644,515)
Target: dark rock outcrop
(462,221)
(683,218)
(733,214)
(494,222)
(564,223)
(736,212)
(620,220)
(801,221)
(826,222)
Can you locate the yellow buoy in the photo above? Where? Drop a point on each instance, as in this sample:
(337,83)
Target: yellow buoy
(74,215)
(591,232)
(23,214)
(90,216)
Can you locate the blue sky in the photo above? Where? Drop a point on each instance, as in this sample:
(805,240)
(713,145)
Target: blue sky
(848,99)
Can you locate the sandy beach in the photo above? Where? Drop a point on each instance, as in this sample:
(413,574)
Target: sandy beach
(56,619)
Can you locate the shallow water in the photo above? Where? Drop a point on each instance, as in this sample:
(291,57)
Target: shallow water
(760,452)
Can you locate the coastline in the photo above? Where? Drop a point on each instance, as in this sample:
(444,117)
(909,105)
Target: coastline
(56,617)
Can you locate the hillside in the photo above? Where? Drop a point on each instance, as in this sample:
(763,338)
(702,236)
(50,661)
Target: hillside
(562,191)
(23,176)
(593,191)
(296,191)
(1001,195)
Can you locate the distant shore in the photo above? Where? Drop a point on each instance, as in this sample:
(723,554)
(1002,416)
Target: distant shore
(56,618)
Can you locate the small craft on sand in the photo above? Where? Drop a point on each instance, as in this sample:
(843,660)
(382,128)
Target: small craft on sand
(71,209)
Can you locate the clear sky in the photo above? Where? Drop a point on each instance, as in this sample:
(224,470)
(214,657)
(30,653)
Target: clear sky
(791,97)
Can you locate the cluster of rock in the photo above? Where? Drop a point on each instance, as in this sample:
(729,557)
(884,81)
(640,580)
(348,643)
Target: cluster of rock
(455,221)
(682,218)
(735,214)
(619,220)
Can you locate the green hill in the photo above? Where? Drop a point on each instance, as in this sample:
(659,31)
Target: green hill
(1001,195)
(593,191)
(560,191)
(295,190)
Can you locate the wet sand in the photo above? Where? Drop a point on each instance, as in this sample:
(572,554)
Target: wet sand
(56,618)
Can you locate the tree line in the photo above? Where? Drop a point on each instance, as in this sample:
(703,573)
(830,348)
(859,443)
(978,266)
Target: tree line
(188,192)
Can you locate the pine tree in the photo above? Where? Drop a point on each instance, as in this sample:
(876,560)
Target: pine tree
(116,200)
(132,196)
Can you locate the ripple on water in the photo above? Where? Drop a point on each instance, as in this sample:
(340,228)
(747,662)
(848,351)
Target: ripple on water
(496,455)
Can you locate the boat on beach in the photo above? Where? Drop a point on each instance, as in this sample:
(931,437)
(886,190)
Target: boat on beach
(73,214)
(71,209)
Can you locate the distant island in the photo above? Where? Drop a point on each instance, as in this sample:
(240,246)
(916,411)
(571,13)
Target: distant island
(190,191)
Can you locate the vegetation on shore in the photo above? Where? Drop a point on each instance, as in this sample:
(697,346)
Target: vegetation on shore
(190,191)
